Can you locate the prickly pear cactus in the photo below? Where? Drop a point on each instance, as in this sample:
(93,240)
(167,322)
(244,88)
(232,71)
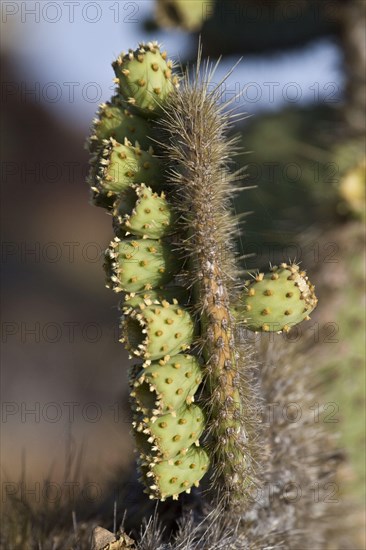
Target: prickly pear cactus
(277,300)
(144,78)
(116,166)
(143,212)
(114,120)
(158,332)
(133,265)
(171,477)
(165,386)
(173,260)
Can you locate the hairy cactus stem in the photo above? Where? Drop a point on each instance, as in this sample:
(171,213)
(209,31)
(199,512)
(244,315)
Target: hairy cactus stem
(203,186)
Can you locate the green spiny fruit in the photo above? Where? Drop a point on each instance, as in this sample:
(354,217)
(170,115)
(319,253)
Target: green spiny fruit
(144,78)
(168,435)
(166,386)
(169,478)
(158,331)
(172,294)
(114,120)
(142,264)
(118,166)
(142,212)
(277,300)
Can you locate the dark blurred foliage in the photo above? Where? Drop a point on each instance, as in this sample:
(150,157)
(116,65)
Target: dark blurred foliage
(232,27)
(247,26)
(297,159)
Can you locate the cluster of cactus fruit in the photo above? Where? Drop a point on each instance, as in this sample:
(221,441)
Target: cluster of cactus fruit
(160,327)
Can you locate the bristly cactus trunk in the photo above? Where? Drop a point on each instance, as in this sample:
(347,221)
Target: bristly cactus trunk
(201,152)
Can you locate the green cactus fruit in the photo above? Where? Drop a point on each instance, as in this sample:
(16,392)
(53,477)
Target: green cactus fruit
(171,294)
(114,120)
(169,478)
(144,78)
(276,301)
(142,264)
(168,435)
(158,331)
(118,166)
(142,212)
(165,385)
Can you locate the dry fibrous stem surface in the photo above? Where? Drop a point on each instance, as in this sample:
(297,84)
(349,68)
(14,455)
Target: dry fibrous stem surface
(203,186)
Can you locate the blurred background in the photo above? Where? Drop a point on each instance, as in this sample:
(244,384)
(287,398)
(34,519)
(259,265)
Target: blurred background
(301,80)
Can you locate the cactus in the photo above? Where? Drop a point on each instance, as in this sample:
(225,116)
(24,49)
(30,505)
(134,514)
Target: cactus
(143,213)
(133,265)
(144,78)
(158,388)
(115,120)
(173,305)
(116,167)
(352,191)
(168,478)
(170,435)
(277,300)
(158,331)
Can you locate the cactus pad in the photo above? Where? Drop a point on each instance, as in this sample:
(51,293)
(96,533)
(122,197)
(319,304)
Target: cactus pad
(144,78)
(277,300)
(166,386)
(171,477)
(118,166)
(142,212)
(114,120)
(158,331)
(169,435)
(142,264)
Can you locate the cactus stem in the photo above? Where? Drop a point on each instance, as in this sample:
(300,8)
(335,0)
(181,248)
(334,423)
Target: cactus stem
(204,184)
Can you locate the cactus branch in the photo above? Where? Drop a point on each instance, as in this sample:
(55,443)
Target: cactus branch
(203,188)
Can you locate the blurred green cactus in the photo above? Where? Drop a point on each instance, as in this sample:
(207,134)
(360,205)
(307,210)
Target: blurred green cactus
(189,16)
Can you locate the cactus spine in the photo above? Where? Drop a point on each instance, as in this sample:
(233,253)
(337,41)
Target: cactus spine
(184,335)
